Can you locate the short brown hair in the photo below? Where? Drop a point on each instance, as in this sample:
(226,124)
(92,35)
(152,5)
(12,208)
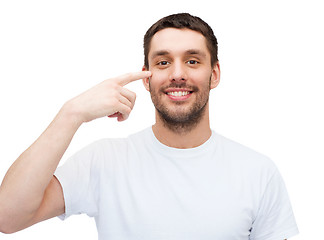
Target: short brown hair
(180,21)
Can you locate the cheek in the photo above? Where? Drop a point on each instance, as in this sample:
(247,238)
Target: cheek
(158,78)
(200,77)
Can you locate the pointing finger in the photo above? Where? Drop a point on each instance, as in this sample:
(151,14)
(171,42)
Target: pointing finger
(130,77)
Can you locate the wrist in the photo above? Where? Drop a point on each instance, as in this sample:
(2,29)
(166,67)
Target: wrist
(70,114)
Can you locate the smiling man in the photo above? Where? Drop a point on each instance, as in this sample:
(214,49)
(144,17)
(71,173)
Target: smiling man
(175,180)
(183,74)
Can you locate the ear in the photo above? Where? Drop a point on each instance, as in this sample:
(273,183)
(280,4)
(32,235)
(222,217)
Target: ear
(215,77)
(146,81)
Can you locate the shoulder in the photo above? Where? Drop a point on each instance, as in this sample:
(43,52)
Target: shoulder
(245,158)
(112,148)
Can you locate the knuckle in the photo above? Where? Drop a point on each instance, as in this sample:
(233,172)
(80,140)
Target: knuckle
(115,101)
(112,85)
(134,98)
(114,95)
(128,110)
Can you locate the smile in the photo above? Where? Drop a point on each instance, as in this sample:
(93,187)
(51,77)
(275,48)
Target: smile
(178,93)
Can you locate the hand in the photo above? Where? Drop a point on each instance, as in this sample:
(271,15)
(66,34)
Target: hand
(108,98)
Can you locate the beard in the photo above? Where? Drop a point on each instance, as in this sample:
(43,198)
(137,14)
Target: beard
(178,116)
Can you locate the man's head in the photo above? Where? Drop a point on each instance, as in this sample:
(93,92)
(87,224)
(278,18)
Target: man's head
(182,21)
(181,53)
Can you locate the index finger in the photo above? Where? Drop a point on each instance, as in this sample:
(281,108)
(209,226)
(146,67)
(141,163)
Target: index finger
(130,77)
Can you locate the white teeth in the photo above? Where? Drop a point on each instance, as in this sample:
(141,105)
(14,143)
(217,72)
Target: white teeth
(178,94)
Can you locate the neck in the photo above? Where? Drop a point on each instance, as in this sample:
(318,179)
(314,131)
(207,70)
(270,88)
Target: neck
(184,137)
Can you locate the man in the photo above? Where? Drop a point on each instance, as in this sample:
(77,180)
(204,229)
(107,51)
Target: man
(175,180)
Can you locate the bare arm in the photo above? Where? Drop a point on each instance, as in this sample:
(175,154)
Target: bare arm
(24,185)
(29,192)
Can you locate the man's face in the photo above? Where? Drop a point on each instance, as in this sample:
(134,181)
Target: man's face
(182,75)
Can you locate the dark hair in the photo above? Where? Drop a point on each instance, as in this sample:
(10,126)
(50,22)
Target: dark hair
(180,21)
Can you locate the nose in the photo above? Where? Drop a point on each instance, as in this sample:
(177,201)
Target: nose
(178,72)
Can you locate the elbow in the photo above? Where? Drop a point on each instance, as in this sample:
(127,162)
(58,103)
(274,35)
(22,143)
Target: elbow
(13,220)
(6,232)
(6,229)
(5,226)
(10,224)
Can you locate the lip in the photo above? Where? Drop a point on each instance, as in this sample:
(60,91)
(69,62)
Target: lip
(178,94)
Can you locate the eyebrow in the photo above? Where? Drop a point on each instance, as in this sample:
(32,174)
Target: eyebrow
(160,53)
(195,52)
(188,52)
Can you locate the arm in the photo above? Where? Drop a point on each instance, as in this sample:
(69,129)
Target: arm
(24,185)
(29,192)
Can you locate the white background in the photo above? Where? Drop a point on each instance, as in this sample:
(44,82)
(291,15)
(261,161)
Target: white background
(270,97)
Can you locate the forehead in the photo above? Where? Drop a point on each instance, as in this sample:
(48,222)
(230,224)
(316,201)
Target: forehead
(177,41)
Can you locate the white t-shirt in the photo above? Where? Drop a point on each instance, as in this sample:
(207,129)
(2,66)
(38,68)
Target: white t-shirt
(138,188)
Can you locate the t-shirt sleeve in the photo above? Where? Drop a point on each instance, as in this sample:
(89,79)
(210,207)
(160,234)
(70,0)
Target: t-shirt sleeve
(78,177)
(275,219)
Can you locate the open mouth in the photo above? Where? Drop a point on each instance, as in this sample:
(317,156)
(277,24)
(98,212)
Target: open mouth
(179,93)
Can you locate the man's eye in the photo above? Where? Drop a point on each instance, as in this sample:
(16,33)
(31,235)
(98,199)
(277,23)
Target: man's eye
(163,63)
(192,62)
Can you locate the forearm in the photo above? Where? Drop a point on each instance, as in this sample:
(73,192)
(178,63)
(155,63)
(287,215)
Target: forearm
(23,187)
(22,190)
